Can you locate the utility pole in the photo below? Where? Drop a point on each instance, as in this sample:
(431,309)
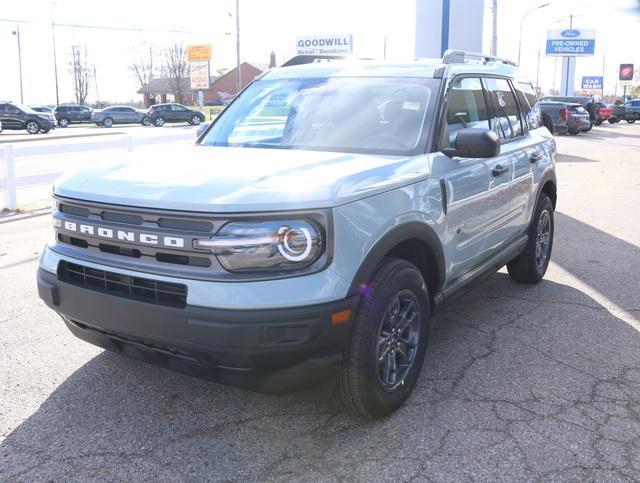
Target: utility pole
(55,58)
(238,74)
(95,79)
(16,32)
(494,27)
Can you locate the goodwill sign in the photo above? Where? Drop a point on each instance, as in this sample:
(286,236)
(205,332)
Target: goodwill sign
(571,42)
(336,44)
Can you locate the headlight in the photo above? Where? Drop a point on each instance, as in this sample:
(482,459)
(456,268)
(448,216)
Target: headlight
(266,246)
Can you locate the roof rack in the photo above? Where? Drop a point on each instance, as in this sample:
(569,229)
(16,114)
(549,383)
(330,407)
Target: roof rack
(459,56)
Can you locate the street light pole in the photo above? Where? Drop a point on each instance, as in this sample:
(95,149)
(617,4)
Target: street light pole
(522,24)
(16,32)
(238,74)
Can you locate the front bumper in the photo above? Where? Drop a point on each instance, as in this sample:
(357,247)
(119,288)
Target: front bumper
(271,350)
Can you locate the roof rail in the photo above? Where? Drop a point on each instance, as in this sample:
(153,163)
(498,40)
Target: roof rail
(459,56)
(309,59)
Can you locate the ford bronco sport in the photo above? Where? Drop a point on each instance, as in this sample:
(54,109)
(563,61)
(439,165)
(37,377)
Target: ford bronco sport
(313,229)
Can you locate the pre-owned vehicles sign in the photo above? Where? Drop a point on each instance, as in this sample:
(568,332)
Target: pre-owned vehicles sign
(571,42)
(332,44)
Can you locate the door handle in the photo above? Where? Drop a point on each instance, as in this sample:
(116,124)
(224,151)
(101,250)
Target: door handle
(498,169)
(535,157)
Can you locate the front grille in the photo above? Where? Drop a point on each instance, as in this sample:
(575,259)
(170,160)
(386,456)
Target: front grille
(119,285)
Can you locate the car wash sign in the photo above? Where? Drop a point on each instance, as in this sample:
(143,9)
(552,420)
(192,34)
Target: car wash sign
(571,42)
(592,82)
(332,44)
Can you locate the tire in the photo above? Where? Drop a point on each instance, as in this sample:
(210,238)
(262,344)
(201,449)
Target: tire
(574,133)
(631,121)
(108,122)
(45,131)
(612,120)
(32,127)
(146,121)
(548,124)
(365,388)
(63,122)
(158,121)
(587,129)
(195,120)
(530,266)
(598,122)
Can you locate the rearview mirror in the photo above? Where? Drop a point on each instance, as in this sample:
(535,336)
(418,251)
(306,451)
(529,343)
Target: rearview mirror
(474,143)
(201,128)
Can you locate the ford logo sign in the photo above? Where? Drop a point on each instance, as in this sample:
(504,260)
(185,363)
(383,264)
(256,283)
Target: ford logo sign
(570,33)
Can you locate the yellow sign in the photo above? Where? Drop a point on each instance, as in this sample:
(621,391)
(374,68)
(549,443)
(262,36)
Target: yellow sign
(197,53)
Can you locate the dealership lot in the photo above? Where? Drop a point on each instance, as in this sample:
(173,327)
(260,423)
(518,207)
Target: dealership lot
(519,382)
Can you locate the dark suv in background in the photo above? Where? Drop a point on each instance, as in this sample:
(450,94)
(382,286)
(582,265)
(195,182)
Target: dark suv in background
(17,117)
(164,113)
(72,114)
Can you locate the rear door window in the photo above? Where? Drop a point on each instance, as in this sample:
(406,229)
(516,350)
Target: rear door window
(505,114)
(529,104)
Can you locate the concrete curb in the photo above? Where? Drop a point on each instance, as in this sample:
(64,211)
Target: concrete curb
(66,136)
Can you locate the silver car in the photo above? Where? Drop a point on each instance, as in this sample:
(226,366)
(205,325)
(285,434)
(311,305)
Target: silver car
(109,116)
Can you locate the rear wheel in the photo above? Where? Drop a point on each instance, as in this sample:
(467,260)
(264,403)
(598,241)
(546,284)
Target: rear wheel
(574,132)
(598,122)
(63,122)
(33,127)
(108,122)
(612,120)
(158,121)
(531,265)
(631,121)
(146,121)
(388,343)
(195,120)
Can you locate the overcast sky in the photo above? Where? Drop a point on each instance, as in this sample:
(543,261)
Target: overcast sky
(268,25)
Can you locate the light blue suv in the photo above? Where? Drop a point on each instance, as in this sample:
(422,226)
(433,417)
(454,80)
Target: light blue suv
(314,228)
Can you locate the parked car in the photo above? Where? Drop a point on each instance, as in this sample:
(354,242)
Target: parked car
(160,114)
(315,244)
(554,116)
(48,111)
(582,100)
(617,113)
(632,111)
(109,116)
(603,113)
(578,119)
(0,126)
(17,117)
(72,114)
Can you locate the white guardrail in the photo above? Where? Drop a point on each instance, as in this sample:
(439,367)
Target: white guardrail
(9,183)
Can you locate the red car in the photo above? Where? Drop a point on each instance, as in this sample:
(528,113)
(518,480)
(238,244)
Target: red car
(603,112)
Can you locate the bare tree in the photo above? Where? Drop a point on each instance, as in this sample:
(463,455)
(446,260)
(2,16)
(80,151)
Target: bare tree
(177,70)
(82,73)
(144,66)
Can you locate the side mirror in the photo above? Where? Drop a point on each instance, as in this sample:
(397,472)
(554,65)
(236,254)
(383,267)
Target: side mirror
(201,128)
(474,143)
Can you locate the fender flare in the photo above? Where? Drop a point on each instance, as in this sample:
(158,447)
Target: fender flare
(413,230)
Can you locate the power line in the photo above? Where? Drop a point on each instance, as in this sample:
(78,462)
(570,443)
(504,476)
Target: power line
(101,27)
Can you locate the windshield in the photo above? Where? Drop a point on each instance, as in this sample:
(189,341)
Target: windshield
(370,115)
(25,109)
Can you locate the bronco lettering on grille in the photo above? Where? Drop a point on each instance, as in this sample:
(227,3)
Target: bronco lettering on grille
(122,235)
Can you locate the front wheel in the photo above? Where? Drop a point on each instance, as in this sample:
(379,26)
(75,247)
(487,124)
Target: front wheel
(146,121)
(598,122)
(631,121)
(159,121)
(63,122)
(32,127)
(574,132)
(388,342)
(530,266)
(195,120)
(108,122)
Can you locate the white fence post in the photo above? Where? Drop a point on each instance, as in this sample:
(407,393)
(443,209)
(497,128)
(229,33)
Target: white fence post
(10,196)
(128,143)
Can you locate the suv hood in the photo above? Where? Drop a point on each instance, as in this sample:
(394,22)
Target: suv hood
(229,179)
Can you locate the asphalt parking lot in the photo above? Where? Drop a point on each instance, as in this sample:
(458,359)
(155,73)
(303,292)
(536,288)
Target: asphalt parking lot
(519,383)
